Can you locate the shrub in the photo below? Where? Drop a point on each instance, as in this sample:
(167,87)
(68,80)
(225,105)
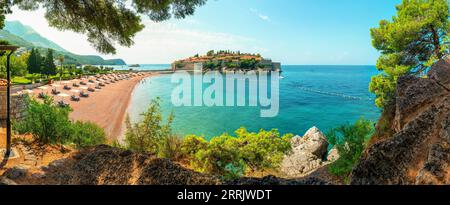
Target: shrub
(47,122)
(222,157)
(191,144)
(50,124)
(232,157)
(151,134)
(84,134)
(171,148)
(350,141)
(263,150)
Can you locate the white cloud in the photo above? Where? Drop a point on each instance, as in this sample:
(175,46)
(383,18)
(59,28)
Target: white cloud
(166,42)
(260,15)
(157,43)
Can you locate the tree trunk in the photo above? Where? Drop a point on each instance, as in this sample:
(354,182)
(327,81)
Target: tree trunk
(437,43)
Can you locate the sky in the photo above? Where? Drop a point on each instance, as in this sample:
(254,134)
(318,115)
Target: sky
(293,32)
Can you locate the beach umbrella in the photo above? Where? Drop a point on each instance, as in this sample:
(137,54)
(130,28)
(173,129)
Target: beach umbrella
(27,91)
(63,95)
(43,89)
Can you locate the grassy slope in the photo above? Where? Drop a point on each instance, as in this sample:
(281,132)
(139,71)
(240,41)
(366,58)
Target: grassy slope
(70,58)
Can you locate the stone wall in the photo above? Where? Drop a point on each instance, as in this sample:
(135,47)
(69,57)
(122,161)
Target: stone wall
(18,105)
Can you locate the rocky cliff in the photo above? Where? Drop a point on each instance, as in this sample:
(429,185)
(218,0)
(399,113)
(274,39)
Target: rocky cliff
(105,165)
(419,151)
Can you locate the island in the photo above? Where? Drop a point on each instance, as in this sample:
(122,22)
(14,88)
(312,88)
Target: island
(226,61)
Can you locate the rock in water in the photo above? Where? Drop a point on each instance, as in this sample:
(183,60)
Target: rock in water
(307,155)
(419,152)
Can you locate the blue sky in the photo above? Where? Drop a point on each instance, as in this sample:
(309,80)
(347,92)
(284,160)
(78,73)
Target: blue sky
(324,32)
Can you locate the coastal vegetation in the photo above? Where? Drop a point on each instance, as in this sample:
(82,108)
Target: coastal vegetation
(151,134)
(350,142)
(235,156)
(413,41)
(225,155)
(49,123)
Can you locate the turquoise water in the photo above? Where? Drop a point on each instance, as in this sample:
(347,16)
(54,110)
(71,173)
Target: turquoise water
(322,96)
(142,67)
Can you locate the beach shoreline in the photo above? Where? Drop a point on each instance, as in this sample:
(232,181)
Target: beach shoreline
(123,129)
(109,108)
(106,107)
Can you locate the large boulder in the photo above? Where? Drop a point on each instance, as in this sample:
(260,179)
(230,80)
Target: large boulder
(314,141)
(308,153)
(333,155)
(419,151)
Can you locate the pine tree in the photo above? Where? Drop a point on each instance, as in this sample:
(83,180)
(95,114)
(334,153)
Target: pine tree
(31,61)
(49,64)
(114,21)
(409,44)
(34,62)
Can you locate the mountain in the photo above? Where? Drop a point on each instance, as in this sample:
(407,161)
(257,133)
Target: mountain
(24,36)
(13,39)
(30,35)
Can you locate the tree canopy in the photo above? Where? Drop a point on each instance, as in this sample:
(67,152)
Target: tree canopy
(34,61)
(49,63)
(105,22)
(410,43)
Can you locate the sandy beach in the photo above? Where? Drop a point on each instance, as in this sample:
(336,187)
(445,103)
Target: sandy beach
(106,107)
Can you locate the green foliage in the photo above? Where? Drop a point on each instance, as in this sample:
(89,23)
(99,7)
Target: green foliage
(91,69)
(263,150)
(34,62)
(211,65)
(414,39)
(350,141)
(210,53)
(18,64)
(49,64)
(50,124)
(46,121)
(232,157)
(152,134)
(231,65)
(222,157)
(84,134)
(20,80)
(3,42)
(248,64)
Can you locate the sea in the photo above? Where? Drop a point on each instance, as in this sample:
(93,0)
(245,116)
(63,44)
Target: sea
(321,96)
